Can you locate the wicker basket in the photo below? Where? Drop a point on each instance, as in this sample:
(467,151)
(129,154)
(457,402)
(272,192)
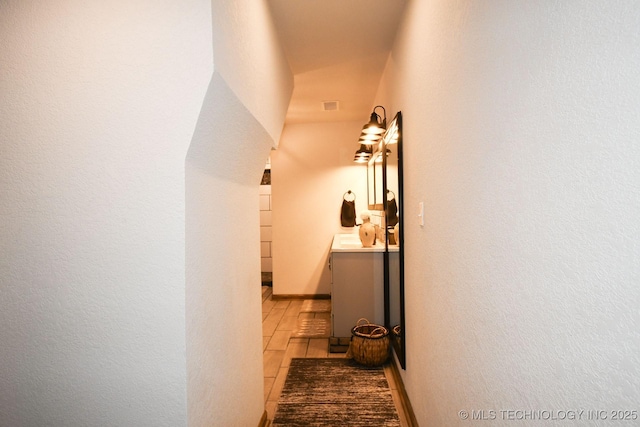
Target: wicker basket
(369,343)
(396,331)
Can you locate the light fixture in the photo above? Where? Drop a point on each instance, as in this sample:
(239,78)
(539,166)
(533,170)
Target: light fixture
(375,127)
(379,156)
(363,154)
(370,135)
(369,139)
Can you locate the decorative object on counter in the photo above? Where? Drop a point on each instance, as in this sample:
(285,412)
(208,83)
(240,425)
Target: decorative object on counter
(380,235)
(392,209)
(369,343)
(392,236)
(395,235)
(348,210)
(367,230)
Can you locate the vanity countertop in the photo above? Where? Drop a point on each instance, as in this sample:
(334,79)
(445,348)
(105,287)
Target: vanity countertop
(351,243)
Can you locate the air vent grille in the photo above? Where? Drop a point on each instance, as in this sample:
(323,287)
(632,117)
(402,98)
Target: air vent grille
(330,105)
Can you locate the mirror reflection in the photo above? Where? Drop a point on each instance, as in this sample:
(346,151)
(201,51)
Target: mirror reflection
(390,150)
(375,187)
(385,194)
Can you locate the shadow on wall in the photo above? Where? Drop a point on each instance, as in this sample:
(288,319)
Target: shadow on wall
(228,141)
(222,172)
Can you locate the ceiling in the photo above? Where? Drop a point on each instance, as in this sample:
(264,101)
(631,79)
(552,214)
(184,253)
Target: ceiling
(337,51)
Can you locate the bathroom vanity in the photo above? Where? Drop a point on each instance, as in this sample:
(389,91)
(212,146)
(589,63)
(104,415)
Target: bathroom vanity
(357,283)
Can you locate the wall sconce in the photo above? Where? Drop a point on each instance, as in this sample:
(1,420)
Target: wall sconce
(374,127)
(363,154)
(369,139)
(379,156)
(371,134)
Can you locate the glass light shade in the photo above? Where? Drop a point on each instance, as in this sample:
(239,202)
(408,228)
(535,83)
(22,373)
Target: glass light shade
(363,154)
(379,156)
(369,139)
(373,127)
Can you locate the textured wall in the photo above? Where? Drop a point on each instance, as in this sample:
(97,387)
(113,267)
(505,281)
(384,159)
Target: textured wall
(521,137)
(241,118)
(250,59)
(99,102)
(99,106)
(310,171)
(224,337)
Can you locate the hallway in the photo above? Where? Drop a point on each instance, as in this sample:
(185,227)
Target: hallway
(279,320)
(133,138)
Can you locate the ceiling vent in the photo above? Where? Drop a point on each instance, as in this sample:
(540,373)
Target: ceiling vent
(330,105)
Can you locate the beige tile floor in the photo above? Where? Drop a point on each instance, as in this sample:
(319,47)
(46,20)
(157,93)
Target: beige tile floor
(279,320)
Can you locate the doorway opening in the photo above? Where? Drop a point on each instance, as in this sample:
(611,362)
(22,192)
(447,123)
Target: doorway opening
(266,260)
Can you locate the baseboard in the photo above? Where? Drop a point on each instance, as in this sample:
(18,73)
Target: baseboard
(264,421)
(404,398)
(339,344)
(300,296)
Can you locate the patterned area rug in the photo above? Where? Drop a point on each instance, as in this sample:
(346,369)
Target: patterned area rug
(312,328)
(318,326)
(316,306)
(335,392)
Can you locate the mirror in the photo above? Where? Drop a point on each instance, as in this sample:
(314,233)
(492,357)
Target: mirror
(375,186)
(391,151)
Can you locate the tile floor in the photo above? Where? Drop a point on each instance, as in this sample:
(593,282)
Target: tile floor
(280,343)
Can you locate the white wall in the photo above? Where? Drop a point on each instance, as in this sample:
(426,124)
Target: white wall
(310,171)
(241,119)
(99,102)
(521,137)
(224,335)
(250,59)
(99,106)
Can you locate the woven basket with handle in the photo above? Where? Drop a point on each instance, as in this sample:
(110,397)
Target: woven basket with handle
(369,343)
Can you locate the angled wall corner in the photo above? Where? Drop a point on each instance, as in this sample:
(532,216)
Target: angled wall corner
(241,120)
(228,141)
(95,126)
(249,56)
(223,313)
(99,102)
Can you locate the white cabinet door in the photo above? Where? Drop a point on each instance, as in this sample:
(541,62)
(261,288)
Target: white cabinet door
(357,290)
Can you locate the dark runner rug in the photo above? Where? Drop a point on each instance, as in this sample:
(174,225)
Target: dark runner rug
(335,392)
